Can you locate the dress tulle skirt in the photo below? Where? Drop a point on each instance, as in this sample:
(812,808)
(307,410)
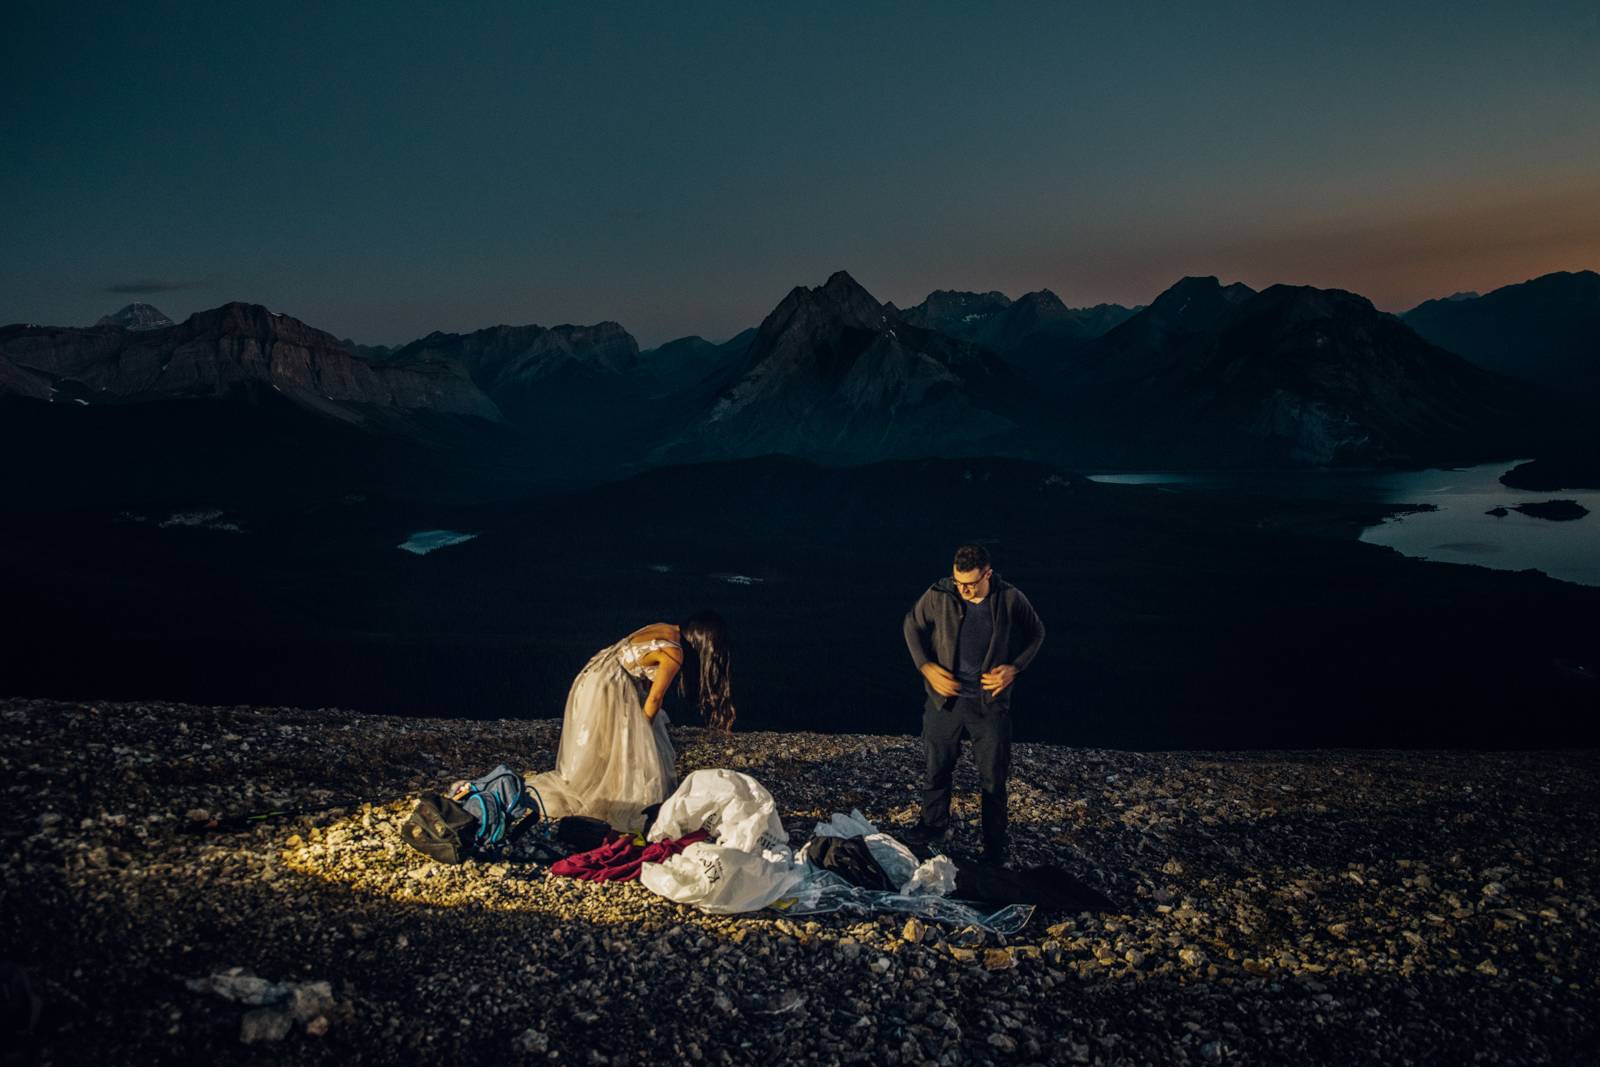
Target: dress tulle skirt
(613,762)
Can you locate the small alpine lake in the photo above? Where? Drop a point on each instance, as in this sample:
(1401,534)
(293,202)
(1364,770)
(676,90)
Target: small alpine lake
(1467,515)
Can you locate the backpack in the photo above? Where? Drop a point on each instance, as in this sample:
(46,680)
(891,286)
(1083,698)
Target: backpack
(491,800)
(440,829)
(451,832)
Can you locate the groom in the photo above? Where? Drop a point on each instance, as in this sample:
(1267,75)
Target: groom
(970,635)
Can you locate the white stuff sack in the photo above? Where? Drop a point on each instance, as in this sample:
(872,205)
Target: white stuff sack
(897,861)
(734,808)
(935,878)
(723,880)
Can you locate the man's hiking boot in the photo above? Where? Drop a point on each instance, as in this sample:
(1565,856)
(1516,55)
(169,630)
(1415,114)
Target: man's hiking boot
(918,834)
(996,855)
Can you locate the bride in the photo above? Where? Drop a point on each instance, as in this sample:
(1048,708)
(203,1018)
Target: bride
(615,758)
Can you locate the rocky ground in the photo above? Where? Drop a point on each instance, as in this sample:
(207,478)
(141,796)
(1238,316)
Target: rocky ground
(1277,907)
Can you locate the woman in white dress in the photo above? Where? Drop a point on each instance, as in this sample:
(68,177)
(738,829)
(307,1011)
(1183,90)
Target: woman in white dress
(615,758)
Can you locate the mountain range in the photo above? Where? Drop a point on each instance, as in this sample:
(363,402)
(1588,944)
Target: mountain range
(1292,375)
(1032,333)
(832,374)
(233,351)
(1206,375)
(1546,330)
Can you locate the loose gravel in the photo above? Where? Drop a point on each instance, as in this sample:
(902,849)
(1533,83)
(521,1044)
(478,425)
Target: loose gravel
(1277,907)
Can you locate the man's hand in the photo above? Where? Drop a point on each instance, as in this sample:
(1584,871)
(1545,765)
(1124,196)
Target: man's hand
(996,681)
(944,683)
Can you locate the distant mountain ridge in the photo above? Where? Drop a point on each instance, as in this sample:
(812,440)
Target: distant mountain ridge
(1291,375)
(1545,330)
(687,363)
(1034,332)
(136,317)
(832,374)
(232,350)
(521,368)
(1207,375)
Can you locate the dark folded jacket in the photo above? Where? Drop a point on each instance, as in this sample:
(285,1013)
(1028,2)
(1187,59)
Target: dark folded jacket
(849,858)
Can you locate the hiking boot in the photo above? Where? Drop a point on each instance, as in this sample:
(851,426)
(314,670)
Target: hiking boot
(918,834)
(996,856)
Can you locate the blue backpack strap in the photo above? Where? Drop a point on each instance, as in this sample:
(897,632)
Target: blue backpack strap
(483,813)
(493,822)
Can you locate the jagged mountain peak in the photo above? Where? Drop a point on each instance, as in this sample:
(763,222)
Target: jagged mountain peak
(941,299)
(1042,300)
(1196,302)
(1199,287)
(839,301)
(847,297)
(1302,302)
(136,317)
(956,312)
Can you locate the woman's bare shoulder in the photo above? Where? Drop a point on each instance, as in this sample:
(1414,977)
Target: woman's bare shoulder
(656,631)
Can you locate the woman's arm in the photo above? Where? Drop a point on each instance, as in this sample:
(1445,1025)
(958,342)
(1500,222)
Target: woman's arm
(667,661)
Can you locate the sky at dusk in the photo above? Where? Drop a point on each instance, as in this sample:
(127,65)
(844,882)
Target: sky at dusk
(381,171)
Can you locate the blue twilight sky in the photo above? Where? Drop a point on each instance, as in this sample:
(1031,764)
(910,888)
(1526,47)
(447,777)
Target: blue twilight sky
(383,170)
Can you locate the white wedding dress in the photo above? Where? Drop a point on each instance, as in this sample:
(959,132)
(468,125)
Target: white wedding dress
(613,762)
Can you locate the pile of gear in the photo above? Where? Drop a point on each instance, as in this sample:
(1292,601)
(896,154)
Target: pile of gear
(718,844)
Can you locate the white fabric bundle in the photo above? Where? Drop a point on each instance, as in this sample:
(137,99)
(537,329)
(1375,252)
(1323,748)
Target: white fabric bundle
(734,808)
(748,866)
(723,880)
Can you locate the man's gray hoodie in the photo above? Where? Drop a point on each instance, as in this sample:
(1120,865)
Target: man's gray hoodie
(934,622)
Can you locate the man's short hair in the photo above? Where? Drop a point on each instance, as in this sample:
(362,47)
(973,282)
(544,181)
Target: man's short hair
(971,558)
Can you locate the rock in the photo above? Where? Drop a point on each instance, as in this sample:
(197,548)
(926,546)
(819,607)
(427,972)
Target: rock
(786,1002)
(241,986)
(1002,1043)
(998,959)
(1301,951)
(264,1024)
(311,999)
(967,937)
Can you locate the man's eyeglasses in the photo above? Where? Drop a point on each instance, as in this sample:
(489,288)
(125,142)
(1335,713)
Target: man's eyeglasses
(972,587)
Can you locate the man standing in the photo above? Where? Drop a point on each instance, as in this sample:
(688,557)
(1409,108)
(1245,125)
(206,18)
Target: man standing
(970,635)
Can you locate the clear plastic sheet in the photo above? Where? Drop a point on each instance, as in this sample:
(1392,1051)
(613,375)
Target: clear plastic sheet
(824,892)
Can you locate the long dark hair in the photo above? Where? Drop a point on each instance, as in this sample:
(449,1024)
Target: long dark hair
(707,659)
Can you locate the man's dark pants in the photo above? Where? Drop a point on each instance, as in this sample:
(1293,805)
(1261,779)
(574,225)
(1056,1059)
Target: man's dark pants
(990,730)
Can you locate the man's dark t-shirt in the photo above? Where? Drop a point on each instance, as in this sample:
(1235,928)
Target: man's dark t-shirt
(972,646)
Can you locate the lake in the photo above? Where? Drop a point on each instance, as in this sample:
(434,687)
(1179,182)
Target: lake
(1458,530)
